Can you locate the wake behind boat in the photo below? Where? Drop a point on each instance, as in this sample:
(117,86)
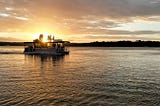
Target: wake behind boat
(52,47)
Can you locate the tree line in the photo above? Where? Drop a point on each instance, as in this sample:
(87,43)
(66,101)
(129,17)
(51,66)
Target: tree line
(138,43)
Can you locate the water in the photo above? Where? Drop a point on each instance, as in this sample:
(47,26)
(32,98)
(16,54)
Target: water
(87,76)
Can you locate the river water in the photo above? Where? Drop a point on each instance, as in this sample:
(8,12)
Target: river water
(87,76)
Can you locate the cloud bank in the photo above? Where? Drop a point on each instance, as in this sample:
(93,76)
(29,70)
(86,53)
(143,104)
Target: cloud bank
(80,17)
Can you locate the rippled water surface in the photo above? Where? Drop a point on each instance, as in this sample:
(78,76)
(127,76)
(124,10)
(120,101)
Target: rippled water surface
(87,76)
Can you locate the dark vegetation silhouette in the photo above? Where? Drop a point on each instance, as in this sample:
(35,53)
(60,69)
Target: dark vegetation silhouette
(137,43)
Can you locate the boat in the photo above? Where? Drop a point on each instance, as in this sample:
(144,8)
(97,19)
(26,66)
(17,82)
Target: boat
(52,47)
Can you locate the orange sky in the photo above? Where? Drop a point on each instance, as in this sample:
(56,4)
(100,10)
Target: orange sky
(80,20)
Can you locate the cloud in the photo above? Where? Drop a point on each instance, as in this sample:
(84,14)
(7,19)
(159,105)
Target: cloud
(73,17)
(121,37)
(117,9)
(123,32)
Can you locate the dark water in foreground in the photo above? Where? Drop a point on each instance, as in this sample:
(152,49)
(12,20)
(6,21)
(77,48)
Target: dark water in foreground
(88,76)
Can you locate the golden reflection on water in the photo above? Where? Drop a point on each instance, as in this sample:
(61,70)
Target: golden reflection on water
(44,61)
(49,80)
(87,76)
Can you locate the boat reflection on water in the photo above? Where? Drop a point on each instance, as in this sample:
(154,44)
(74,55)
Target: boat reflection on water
(45,58)
(45,62)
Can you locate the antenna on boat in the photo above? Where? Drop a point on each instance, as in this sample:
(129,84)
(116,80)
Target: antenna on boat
(53,38)
(41,37)
(50,38)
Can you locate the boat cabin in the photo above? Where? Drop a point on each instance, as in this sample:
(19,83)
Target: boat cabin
(55,46)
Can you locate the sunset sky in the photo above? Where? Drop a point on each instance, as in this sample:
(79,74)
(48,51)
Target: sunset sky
(80,20)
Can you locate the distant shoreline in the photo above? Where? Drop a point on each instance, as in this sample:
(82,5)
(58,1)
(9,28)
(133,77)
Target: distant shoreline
(138,43)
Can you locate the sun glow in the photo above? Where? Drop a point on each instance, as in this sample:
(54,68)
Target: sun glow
(45,36)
